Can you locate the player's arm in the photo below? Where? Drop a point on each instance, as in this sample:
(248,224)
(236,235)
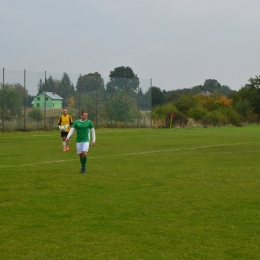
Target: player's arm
(93,134)
(71,121)
(70,134)
(59,121)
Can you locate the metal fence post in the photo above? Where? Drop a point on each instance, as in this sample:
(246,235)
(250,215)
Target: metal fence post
(79,94)
(3,98)
(45,83)
(96,101)
(24,101)
(138,106)
(151,102)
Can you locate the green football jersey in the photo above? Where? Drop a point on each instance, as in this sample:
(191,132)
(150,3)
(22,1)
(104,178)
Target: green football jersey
(83,127)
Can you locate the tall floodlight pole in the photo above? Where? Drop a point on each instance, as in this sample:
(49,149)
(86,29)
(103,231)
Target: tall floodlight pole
(138,105)
(24,100)
(3,98)
(96,100)
(79,90)
(45,81)
(126,85)
(151,102)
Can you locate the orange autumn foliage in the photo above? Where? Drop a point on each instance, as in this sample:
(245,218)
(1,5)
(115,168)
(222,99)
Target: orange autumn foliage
(71,101)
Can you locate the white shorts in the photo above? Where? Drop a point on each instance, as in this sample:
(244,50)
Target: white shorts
(82,147)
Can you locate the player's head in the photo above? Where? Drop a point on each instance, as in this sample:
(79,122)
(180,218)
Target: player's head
(65,112)
(83,115)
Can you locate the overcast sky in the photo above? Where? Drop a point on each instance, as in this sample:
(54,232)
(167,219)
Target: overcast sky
(177,43)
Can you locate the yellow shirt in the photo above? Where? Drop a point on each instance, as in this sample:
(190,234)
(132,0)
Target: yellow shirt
(65,120)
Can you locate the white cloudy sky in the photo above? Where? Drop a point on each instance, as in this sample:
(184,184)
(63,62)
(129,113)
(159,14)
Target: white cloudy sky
(177,43)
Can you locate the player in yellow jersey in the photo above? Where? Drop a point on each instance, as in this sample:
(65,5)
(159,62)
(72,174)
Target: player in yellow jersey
(64,122)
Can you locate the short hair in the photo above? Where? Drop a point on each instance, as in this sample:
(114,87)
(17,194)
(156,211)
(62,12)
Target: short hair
(83,112)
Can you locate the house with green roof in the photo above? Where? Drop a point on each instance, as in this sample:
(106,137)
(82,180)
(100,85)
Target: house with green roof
(48,99)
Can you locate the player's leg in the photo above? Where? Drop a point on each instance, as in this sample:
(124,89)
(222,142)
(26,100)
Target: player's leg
(82,150)
(79,152)
(79,147)
(84,159)
(85,155)
(64,136)
(67,143)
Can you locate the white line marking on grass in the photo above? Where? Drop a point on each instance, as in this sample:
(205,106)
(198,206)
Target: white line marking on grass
(169,150)
(44,135)
(127,154)
(98,131)
(40,141)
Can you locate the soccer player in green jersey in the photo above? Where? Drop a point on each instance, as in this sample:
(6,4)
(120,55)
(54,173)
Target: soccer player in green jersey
(83,127)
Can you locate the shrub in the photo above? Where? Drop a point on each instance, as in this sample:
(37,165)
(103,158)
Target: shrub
(36,114)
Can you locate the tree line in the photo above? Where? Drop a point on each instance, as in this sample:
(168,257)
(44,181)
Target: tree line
(210,104)
(207,104)
(120,99)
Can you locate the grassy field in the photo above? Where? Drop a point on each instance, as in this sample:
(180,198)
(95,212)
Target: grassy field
(148,194)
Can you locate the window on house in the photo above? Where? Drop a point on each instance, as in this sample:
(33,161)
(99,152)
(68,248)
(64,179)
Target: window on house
(38,98)
(38,105)
(46,99)
(53,105)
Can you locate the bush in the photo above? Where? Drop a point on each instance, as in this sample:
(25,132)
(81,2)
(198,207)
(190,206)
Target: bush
(36,114)
(220,117)
(197,112)
(180,119)
(161,114)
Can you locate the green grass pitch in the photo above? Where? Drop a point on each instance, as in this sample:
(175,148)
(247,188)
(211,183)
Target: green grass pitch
(148,194)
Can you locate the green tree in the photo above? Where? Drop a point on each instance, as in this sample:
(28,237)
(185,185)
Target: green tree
(122,72)
(197,112)
(158,97)
(65,89)
(29,100)
(121,108)
(185,103)
(40,86)
(23,94)
(144,99)
(90,83)
(172,96)
(10,102)
(123,78)
(36,114)
(251,93)
(90,94)
(161,115)
(26,99)
(51,85)
(122,93)
(244,108)
(211,85)
(221,116)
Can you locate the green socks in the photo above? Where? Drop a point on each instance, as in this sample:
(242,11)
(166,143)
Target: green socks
(83,161)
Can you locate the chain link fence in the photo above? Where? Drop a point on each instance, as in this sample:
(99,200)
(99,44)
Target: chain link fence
(35,100)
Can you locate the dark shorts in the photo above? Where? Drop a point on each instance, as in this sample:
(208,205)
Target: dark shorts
(64,134)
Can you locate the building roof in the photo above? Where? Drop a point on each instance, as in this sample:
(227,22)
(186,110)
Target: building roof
(53,95)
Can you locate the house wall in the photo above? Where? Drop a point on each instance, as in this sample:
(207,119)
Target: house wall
(38,101)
